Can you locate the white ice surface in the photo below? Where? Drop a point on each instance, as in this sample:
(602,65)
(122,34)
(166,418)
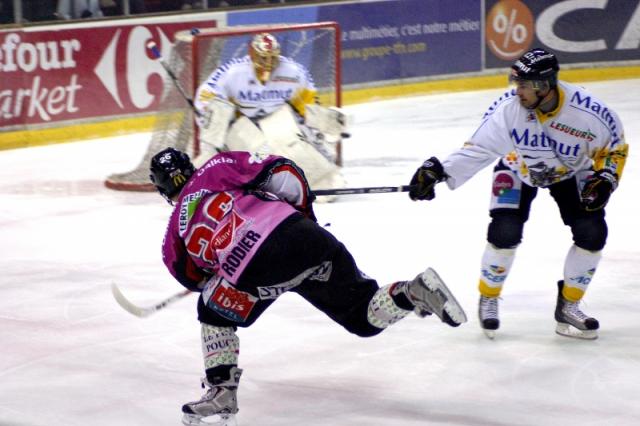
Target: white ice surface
(69,356)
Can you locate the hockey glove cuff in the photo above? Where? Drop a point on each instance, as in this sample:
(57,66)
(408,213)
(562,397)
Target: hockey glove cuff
(425,179)
(597,190)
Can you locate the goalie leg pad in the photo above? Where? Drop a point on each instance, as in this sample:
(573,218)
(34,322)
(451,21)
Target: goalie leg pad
(280,134)
(285,138)
(244,135)
(214,123)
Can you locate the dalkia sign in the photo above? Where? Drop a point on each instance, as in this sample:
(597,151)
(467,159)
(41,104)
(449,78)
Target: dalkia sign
(50,76)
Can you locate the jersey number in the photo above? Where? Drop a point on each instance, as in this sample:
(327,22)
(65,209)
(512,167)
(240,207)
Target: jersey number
(200,242)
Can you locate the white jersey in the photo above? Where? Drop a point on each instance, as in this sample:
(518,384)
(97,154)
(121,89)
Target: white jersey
(236,82)
(543,148)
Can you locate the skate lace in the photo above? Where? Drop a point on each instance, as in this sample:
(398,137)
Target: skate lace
(573,309)
(489,307)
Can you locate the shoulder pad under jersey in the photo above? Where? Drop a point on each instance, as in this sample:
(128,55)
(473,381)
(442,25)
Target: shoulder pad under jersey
(506,96)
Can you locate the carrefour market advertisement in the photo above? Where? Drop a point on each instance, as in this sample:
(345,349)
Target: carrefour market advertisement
(77,73)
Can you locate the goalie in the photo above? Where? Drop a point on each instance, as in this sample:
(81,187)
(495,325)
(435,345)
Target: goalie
(265,102)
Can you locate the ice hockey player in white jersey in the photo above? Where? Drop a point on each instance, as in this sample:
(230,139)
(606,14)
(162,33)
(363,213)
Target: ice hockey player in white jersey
(268,102)
(547,134)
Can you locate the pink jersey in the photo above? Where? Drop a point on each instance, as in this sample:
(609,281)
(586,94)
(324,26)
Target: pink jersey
(219,223)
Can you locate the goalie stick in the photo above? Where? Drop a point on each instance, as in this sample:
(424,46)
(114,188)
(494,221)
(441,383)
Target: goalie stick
(143,312)
(364,190)
(153,47)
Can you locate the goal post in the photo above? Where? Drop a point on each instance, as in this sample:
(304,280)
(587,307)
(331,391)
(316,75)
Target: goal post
(196,54)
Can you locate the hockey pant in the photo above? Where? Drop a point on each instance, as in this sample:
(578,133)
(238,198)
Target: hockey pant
(302,257)
(511,201)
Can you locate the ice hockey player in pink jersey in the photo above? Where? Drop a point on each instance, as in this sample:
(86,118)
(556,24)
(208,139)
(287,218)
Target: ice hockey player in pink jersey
(242,233)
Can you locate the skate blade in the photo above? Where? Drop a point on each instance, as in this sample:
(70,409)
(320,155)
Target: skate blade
(491,334)
(568,330)
(434,283)
(216,420)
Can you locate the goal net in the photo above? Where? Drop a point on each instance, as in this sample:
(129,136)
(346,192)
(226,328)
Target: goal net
(195,55)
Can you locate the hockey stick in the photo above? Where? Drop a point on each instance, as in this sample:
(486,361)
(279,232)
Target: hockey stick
(143,312)
(365,190)
(153,47)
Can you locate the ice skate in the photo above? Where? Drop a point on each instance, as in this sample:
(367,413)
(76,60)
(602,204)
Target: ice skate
(488,315)
(430,295)
(217,407)
(572,322)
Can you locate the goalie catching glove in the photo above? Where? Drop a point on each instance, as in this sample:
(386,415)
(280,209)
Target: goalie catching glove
(425,178)
(597,190)
(332,122)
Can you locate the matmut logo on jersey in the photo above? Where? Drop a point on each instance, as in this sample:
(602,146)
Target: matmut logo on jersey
(585,101)
(264,95)
(542,142)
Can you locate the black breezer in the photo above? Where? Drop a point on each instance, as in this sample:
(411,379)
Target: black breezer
(589,228)
(302,257)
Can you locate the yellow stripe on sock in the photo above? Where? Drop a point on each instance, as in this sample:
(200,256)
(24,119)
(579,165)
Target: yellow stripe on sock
(488,291)
(572,294)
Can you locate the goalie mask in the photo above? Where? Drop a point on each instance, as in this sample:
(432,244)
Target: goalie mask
(264,51)
(170,171)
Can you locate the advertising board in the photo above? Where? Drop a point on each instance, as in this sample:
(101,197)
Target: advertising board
(392,40)
(578,31)
(79,73)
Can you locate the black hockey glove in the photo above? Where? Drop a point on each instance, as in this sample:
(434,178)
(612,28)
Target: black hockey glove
(597,190)
(425,179)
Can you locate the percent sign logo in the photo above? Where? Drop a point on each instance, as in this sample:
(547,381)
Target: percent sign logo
(509,29)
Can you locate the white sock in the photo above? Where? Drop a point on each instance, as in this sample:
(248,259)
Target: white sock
(579,267)
(496,264)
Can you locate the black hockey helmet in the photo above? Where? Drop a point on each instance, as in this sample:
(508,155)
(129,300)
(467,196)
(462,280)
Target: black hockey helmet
(538,66)
(170,171)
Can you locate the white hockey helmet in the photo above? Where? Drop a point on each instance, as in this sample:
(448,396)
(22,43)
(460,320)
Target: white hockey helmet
(264,51)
